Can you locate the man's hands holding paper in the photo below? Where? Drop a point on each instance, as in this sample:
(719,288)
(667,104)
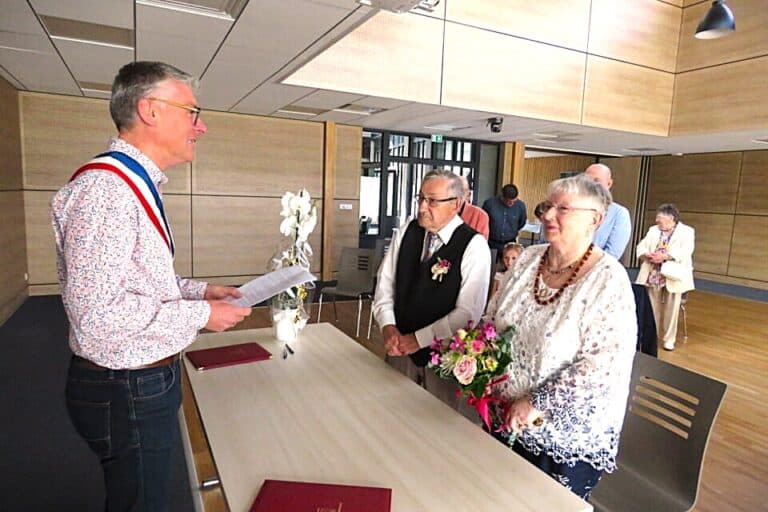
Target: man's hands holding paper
(223,314)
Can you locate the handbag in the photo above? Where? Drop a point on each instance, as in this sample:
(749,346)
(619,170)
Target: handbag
(674,270)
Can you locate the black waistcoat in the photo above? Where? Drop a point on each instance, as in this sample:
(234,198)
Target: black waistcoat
(419,299)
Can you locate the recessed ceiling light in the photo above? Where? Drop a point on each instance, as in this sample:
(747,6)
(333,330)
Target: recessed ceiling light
(643,150)
(302,111)
(447,127)
(760,141)
(95,87)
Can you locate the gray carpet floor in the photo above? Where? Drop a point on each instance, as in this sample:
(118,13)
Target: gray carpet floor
(44,465)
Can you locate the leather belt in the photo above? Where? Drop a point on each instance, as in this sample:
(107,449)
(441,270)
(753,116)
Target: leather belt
(166,361)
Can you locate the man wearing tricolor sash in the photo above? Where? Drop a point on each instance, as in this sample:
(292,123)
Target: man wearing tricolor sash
(130,315)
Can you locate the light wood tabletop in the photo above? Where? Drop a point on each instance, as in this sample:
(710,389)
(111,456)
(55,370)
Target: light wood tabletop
(335,413)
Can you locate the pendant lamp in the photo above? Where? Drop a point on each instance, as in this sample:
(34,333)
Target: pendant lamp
(718,22)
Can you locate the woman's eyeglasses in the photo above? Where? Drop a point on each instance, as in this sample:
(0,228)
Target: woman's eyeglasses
(562,210)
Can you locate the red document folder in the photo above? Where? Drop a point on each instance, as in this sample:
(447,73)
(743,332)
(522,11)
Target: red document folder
(227,356)
(285,496)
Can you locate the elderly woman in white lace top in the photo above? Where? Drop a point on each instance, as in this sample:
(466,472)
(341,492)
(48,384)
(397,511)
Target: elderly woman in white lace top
(567,386)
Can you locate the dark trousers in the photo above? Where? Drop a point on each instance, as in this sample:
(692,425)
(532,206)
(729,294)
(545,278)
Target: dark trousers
(129,419)
(580,478)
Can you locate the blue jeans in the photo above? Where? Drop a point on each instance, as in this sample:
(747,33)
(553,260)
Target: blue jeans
(129,419)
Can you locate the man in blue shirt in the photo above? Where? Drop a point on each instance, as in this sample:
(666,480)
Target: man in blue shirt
(613,234)
(507,215)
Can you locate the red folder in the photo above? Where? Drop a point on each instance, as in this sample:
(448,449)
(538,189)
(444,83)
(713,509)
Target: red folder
(227,356)
(285,496)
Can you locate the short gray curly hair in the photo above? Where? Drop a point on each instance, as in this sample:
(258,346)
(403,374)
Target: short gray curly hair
(137,80)
(456,187)
(584,187)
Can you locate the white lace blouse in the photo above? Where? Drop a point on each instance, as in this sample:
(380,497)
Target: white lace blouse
(573,357)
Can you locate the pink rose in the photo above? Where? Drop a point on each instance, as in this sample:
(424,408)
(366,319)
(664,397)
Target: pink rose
(478,346)
(489,331)
(465,370)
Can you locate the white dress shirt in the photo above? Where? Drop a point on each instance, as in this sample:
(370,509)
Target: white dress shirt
(475,278)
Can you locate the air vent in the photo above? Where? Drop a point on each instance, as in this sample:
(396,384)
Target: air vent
(760,141)
(96,87)
(643,150)
(84,32)
(401,6)
(360,110)
(223,9)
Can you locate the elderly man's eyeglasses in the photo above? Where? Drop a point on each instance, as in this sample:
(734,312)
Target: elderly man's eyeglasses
(562,210)
(193,109)
(431,201)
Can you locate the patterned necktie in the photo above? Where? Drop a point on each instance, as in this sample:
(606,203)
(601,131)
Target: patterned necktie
(433,244)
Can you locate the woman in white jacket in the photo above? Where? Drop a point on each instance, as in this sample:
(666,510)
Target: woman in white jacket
(666,253)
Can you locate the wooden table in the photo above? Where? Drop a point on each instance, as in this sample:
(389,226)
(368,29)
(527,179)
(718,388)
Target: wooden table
(335,413)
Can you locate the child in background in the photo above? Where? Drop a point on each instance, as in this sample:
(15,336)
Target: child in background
(509,254)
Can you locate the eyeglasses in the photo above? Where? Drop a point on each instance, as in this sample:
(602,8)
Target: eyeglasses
(193,109)
(431,201)
(562,210)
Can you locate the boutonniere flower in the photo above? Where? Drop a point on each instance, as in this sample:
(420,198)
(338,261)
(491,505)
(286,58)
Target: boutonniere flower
(440,269)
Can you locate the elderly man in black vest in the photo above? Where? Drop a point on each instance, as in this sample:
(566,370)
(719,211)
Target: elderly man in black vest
(432,282)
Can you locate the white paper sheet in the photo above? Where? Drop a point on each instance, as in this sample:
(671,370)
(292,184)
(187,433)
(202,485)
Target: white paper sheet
(269,285)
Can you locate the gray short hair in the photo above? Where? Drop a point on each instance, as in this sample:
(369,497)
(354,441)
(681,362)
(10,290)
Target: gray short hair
(584,187)
(137,80)
(456,187)
(669,210)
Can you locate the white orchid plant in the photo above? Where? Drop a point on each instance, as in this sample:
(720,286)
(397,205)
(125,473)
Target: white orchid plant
(299,220)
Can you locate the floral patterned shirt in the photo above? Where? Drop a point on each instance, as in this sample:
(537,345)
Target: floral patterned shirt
(126,306)
(573,357)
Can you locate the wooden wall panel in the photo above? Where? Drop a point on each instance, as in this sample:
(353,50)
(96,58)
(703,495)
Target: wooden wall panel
(538,172)
(238,235)
(61,133)
(258,156)
(724,98)
(753,189)
(644,32)
(713,238)
(10,138)
(349,142)
(13,257)
(406,67)
(498,73)
(626,176)
(705,182)
(346,228)
(626,97)
(749,40)
(179,211)
(558,22)
(41,248)
(749,248)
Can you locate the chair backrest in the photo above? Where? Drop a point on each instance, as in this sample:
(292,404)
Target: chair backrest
(381,249)
(357,271)
(669,416)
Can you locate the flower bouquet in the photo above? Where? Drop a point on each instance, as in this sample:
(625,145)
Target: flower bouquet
(299,220)
(477,358)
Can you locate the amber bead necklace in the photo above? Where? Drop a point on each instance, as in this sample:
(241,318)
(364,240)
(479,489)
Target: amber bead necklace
(539,281)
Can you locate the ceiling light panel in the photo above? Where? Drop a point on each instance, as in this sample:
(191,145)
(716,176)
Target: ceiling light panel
(113,13)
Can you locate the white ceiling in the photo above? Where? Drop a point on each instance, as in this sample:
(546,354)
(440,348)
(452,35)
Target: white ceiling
(241,63)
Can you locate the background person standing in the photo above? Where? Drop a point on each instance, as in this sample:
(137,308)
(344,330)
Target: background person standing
(507,217)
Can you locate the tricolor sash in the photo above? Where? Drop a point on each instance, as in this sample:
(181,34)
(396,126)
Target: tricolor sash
(137,179)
